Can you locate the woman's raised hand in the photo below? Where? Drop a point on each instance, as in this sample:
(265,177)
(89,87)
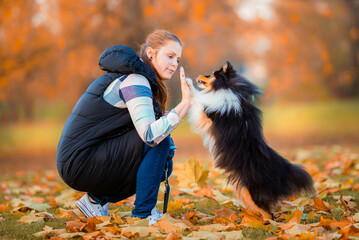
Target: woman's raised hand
(187,93)
(186,86)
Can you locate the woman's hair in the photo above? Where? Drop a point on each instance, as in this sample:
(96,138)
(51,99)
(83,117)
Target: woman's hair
(156,40)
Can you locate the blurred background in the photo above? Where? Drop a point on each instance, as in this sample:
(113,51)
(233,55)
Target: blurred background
(304,55)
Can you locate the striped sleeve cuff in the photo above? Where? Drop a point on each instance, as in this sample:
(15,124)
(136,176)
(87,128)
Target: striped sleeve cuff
(161,128)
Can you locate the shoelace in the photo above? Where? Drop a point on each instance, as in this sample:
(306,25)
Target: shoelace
(155,216)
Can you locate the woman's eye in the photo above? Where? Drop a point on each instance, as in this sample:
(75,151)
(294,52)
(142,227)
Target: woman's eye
(178,60)
(170,56)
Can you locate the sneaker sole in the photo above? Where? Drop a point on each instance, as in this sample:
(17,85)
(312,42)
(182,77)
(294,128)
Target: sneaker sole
(82,207)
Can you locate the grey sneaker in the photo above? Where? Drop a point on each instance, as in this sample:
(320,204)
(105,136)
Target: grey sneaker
(155,216)
(90,209)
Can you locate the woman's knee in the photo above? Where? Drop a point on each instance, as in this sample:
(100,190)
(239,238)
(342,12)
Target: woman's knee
(165,143)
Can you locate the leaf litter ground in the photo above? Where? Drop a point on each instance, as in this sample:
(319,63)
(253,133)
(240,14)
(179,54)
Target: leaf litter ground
(202,206)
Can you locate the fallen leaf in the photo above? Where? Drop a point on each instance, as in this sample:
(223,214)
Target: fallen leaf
(71,235)
(256,224)
(226,213)
(232,235)
(184,200)
(173,236)
(297,217)
(249,216)
(5,208)
(204,192)
(320,205)
(38,217)
(356,217)
(338,225)
(205,235)
(299,202)
(174,206)
(224,200)
(308,235)
(79,226)
(131,220)
(117,218)
(46,230)
(92,235)
(168,224)
(40,207)
(213,228)
(64,214)
(138,231)
(296,230)
(326,222)
(192,174)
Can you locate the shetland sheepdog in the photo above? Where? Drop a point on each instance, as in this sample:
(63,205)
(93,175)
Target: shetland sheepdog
(225,115)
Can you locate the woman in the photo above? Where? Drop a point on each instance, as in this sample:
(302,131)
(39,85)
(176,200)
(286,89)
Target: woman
(116,141)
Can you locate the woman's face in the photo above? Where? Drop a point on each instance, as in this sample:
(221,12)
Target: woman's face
(166,59)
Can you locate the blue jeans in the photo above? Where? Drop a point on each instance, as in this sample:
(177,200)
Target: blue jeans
(150,174)
(149,177)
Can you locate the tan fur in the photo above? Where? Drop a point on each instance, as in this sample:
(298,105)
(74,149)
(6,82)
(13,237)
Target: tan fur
(243,194)
(204,122)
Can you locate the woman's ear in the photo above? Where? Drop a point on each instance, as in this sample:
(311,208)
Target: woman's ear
(150,52)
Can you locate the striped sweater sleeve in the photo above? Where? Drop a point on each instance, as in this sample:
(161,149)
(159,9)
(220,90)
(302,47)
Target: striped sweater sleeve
(136,92)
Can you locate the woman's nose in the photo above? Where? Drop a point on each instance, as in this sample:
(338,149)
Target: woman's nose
(174,63)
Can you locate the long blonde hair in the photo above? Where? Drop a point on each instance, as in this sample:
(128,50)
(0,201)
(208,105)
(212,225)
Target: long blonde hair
(156,40)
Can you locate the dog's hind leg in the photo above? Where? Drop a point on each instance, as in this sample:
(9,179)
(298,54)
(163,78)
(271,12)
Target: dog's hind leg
(243,194)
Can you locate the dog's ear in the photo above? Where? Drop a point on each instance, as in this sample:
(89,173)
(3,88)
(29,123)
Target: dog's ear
(227,66)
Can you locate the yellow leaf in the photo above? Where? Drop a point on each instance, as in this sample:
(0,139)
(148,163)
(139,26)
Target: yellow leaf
(213,228)
(297,217)
(174,206)
(192,174)
(117,218)
(255,224)
(308,236)
(205,235)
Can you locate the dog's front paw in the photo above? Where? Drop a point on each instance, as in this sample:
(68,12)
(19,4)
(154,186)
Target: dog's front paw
(189,81)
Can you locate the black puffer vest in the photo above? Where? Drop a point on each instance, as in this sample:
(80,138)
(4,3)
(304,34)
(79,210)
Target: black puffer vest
(99,150)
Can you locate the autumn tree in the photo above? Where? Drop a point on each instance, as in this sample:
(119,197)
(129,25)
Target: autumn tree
(49,49)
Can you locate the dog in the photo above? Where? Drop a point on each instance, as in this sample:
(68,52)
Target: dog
(225,115)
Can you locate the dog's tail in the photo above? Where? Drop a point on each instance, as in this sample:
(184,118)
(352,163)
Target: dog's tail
(299,180)
(274,179)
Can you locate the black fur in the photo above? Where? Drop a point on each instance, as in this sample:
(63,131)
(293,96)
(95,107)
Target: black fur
(240,148)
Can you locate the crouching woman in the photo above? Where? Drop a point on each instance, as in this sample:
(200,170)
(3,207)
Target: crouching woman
(116,141)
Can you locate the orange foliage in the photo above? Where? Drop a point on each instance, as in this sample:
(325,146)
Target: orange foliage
(49,49)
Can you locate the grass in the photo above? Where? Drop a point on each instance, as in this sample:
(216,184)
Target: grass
(20,184)
(13,229)
(321,119)
(326,120)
